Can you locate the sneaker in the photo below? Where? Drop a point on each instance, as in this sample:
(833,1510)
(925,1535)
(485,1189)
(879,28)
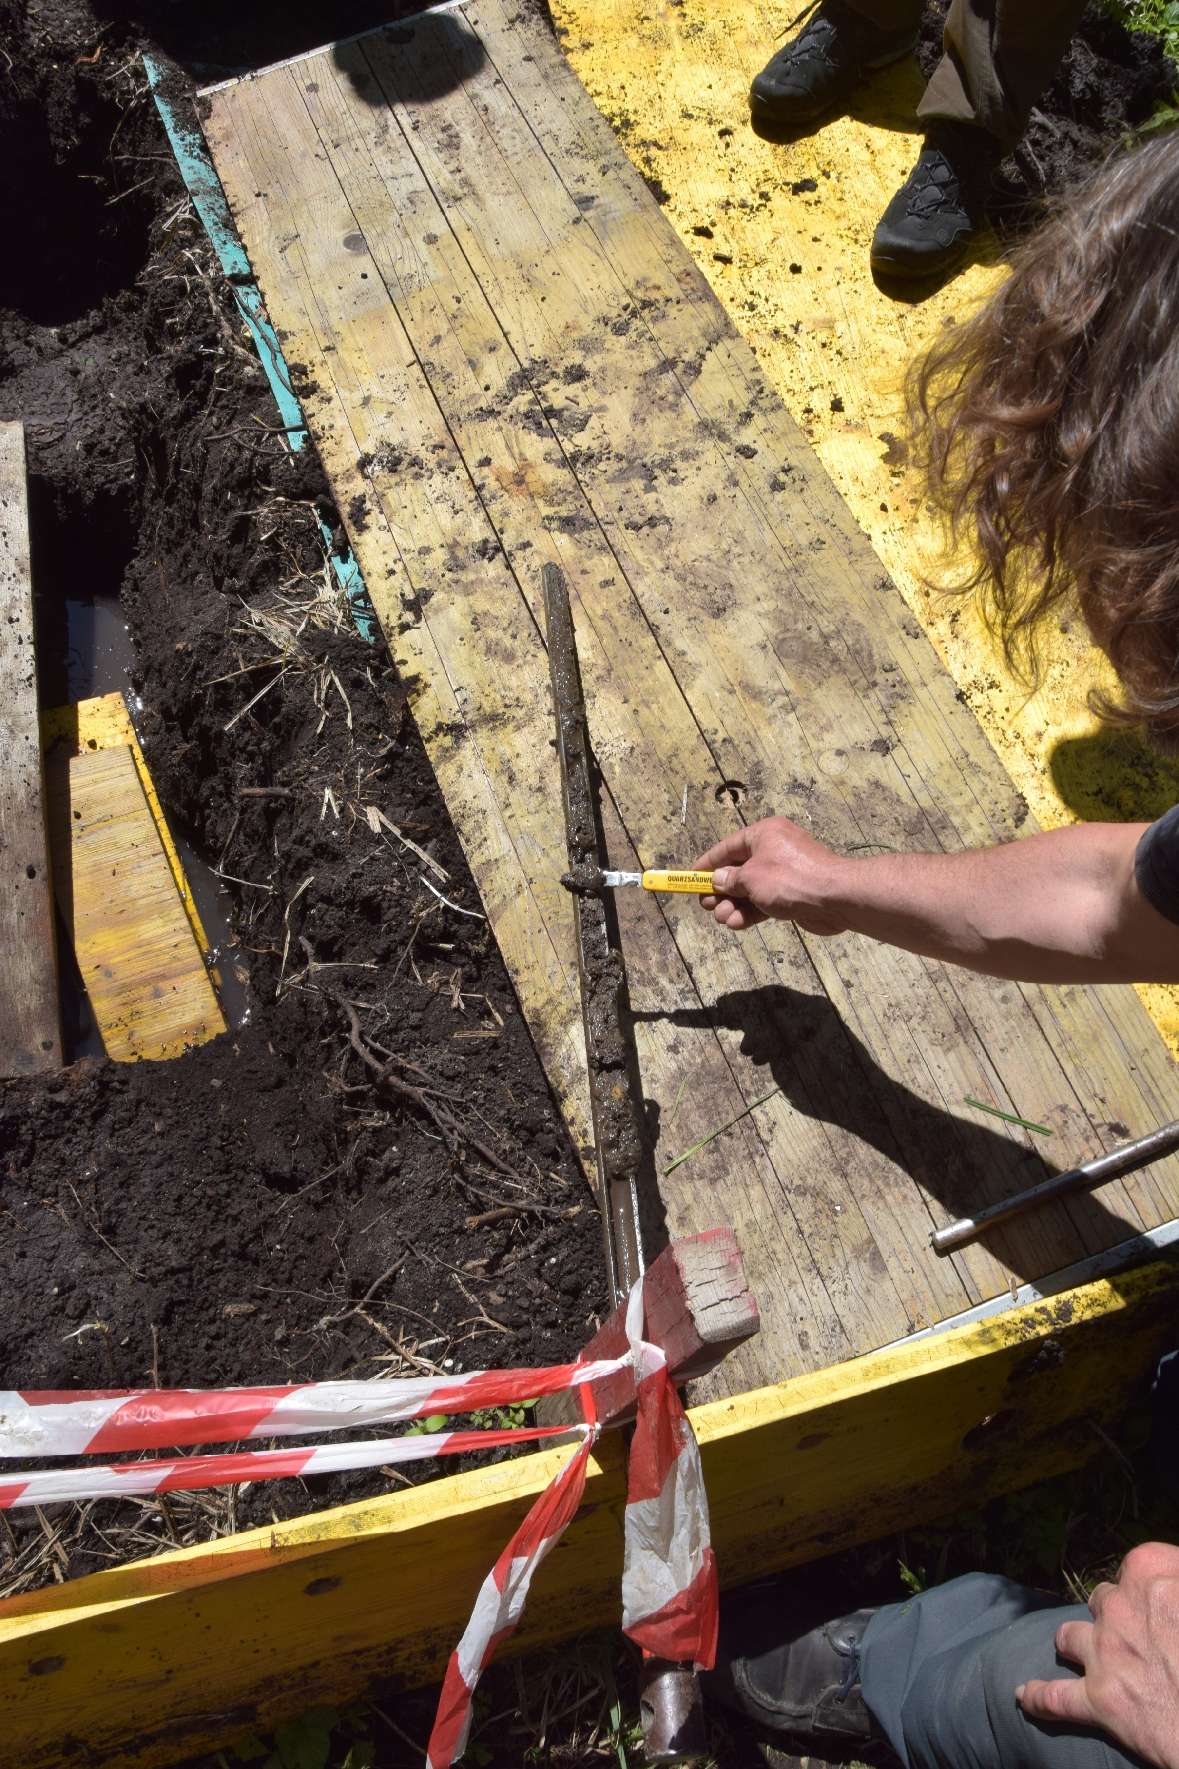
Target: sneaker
(805,1690)
(928,227)
(823,64)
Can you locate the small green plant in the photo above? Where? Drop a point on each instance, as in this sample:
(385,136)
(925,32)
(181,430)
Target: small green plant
(504,1418)
(617,1735)
(320,1738)
(435,1422)
(912,1578)
(305,1743)
(485,1419)
(1159,18)
(1164,116)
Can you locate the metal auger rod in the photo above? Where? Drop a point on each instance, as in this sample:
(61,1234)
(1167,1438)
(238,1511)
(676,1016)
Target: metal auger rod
(1127,1159)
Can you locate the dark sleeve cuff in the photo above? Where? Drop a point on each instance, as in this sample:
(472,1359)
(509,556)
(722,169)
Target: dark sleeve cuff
(1156,865)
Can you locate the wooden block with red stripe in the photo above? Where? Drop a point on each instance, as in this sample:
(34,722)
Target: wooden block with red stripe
(698,1308)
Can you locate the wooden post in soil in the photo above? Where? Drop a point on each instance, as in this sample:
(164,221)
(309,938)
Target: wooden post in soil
(698,1307)
(30,1039)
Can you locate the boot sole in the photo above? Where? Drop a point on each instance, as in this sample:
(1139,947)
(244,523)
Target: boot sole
(770,113)
(904,270)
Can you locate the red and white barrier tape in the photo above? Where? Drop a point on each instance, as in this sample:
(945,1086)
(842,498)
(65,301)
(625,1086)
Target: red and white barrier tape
(669,1584)
(101,1422)
(124,1480)
(500,1604)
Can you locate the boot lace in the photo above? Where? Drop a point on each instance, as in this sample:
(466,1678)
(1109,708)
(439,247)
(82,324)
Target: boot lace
(934,185)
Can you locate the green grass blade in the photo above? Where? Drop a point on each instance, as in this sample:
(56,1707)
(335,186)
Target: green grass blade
(1008,1117)
(719,1131)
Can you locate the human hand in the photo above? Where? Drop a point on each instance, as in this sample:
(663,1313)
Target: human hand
(772,869)
(1130,1656)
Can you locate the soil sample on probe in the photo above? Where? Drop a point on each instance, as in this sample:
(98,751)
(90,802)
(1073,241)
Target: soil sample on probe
(615,1096)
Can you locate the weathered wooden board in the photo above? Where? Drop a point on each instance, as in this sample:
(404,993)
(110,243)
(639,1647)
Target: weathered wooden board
(139,961)
(30,1039)
(511,358)
(149,1663)
(782,228)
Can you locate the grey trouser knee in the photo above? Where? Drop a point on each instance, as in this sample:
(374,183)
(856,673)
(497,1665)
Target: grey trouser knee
(998,57)
(940,1673)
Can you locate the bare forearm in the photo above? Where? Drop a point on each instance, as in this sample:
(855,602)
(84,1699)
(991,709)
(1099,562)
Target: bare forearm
(1054,908)
(1045,909)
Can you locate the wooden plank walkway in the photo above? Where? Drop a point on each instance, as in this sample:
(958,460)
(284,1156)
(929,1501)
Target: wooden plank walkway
(781,229)
(509,357)
(30,1039)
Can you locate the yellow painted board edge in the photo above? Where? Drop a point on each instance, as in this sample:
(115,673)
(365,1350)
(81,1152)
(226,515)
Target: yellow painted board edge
(147,1663)
(103,723)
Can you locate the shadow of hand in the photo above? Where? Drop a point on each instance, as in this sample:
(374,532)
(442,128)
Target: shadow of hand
(828,1074)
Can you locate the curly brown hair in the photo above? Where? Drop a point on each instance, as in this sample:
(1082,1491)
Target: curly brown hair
(1048,430)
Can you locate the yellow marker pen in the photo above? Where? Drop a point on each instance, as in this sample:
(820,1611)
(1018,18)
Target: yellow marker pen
(695,883)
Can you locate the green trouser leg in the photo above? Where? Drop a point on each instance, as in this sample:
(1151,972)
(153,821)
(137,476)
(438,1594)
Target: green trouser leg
(998,57)
(940,1674)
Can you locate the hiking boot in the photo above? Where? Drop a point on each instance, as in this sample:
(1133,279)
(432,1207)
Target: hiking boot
(805,1689)
(822,65)
(930,223)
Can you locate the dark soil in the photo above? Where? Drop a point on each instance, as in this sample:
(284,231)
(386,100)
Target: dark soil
(199,1221)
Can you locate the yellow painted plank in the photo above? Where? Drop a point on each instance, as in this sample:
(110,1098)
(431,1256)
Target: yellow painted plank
(150,1662)
(139,962)
(790,264)
(512,358)
(30,1037)
(102,722)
